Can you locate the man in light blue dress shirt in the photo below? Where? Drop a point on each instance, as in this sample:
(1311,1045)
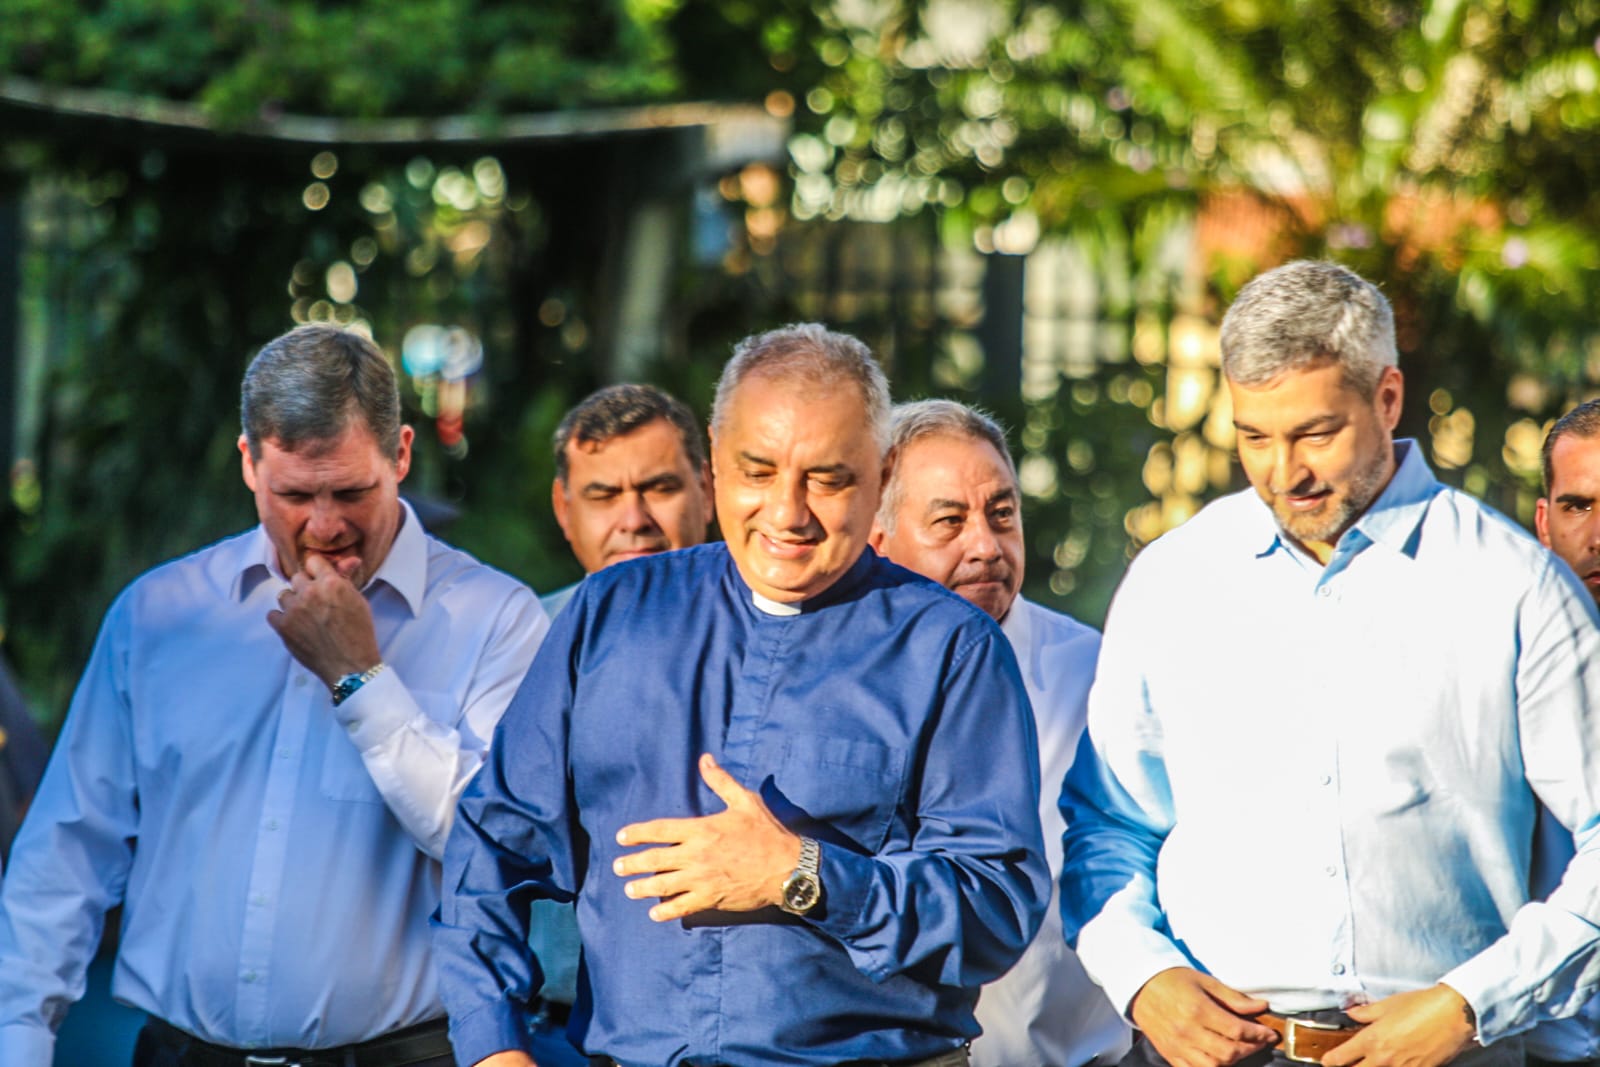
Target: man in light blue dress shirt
(952,511)
(263,756)
(1567,521)
(631,479)
(1325,715)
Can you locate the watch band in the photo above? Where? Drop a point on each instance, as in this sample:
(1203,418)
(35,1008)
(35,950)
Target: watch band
(347,684)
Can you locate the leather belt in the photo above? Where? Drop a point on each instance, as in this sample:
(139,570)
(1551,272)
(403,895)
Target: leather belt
(1304,1040)
(414,1044)
(959,1056)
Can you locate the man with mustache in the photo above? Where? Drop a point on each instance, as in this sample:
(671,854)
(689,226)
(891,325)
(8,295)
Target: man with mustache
(1565,519)
(1325,714)
(263,757)
(798,813)
(631,479)
(952,512)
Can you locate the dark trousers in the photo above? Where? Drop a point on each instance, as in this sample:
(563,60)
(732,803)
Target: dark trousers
(157,1049)
(1506,1053)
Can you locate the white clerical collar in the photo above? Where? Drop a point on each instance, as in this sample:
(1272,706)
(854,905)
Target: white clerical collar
(772,607)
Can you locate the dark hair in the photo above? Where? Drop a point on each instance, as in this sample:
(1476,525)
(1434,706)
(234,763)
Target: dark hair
(1582,421)
(311,384)
(809,352)
(620,409)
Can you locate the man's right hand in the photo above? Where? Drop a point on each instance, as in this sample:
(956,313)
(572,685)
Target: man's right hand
(512,1058)
(1194,1020)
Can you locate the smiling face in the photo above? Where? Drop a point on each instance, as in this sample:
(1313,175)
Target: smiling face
(339,499)
(797,474)
(1568,519)
(958,520)
(631,495)
(1316,450)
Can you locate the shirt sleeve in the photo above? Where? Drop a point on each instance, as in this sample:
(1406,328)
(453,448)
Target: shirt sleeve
(513,841)
(421,765)
(1117,803)
(1548,963)
(959,905)
(70,861)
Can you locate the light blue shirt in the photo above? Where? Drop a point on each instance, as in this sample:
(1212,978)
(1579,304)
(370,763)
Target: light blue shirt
(1576,1038)
(1319,783)
(274,855)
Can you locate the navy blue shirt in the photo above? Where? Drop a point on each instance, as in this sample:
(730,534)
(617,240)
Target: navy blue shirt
(887,719)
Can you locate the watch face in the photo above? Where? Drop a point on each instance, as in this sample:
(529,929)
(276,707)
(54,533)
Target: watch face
(802,893)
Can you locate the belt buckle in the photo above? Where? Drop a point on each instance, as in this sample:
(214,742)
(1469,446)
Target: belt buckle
(270,1061)
(1291,1038)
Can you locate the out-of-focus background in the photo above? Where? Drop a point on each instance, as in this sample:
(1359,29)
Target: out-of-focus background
(1043,207)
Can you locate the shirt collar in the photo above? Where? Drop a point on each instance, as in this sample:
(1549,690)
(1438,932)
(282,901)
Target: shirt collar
(1394,517)
(839,590)
(404,569)
(1018,624)
(1391,520)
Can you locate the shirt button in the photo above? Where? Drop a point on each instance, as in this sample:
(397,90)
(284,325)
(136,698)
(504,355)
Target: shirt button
(250,976)
(300,682)
(272,824)
(283,753)
(1330,870)
(1325,591)
(1326,779)
(259,900)
(1338,968)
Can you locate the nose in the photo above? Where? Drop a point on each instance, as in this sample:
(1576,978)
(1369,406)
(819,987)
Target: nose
(786,505)
(980,542)
(325,522)
(1288,472)
(636,517)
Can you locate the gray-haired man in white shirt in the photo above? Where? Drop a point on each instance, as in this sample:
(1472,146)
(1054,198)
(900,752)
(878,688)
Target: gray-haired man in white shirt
(952,512)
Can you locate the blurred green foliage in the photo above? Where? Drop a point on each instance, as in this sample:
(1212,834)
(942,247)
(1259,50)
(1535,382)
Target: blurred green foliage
(1147,156)
(366,58)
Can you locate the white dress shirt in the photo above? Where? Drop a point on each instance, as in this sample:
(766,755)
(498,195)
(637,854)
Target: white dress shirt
(1046,1011)
(1319,783)
(275,855)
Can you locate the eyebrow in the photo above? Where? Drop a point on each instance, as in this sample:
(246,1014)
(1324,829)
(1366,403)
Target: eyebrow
(1574,498)
(1301,427)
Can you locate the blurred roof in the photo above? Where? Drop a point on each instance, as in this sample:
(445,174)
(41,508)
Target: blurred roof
(734,132)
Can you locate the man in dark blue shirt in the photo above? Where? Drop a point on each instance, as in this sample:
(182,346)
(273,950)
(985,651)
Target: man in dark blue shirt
(791,786)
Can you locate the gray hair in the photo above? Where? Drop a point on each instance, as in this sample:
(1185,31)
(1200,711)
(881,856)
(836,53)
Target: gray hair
(312,384)
(1582,422)
(1308,312)
(621,409)
(811,353)
(916,419)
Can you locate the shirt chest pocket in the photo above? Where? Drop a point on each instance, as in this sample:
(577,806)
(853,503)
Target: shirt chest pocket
(838,789)
(345,775)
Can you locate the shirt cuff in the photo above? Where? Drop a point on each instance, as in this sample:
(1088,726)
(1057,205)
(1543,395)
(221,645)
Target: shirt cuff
(846,895)
(1530,967)
(376,711)
(1122,959)
(499,1026)
(26,1046)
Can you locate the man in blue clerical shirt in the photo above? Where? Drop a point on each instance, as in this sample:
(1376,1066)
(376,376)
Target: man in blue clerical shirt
(1325,715)
(791,786)
(263,757)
